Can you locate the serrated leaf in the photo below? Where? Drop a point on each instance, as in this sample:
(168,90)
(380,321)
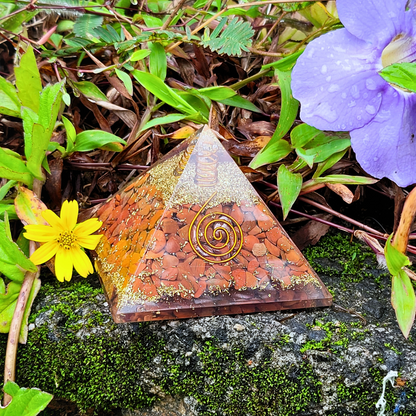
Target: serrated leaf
(85,25)
(234,39)
(25,402)
(9,101)
(289,186)
(28,81)
(94,139)
(157,60)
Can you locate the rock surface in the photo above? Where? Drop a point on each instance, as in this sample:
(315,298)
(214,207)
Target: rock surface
(328,361)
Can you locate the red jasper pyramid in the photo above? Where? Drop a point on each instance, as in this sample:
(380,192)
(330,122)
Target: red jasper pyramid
(191,237)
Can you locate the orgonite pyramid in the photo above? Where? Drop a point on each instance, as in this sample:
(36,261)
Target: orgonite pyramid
(191,237)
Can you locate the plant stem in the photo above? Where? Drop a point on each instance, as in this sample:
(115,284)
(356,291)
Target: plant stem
(401,236)
(16,324)
(13,339)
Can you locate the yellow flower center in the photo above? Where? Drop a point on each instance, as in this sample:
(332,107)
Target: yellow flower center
(67,239)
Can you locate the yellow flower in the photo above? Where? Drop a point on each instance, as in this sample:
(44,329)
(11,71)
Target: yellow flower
(63,238)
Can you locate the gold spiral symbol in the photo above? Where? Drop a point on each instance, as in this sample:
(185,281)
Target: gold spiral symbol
(225,228)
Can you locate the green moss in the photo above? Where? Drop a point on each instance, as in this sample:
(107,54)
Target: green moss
(349,260)
(105,373)
(249,391)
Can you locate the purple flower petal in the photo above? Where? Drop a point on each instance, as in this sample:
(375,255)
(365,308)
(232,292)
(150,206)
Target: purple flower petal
(337,83)
(386,147)
(375,21)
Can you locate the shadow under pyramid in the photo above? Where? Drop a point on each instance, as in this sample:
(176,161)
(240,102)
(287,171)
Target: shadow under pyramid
(191,237)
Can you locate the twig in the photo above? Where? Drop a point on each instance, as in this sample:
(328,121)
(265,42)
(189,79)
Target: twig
(172,15)
(13,338)
(16,324)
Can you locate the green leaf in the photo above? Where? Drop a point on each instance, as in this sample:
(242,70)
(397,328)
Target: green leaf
(199,103)
(402,293)
(233,39)
(284,64)
(240,102)
(13,262)
(86,23)
(328,163)
(303,134)
(139,55)
(90,90)
(217,93)
(7,208)
(290,185)
(275,149)
(322,152)
(274,153)
(403,301)
(28,81)
(401,74)
(157,60)
(71,134)
(289,109)
(34,164)
(8,300)
(13,168)
(24,329)
(159,89)
(395,259)
(25,402)
(37,139)
(152,21)
(126,80)
(6,188)
(9,101)
(346,180)
(171,118)
(92,139)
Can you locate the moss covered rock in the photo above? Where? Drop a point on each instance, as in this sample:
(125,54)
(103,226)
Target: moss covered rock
(328,361)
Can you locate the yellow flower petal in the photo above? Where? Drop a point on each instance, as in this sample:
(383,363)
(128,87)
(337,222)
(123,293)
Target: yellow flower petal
(82,263)
(53,220)
(63,264)
(40,233)
(69,214)
(87,227)
(44,252)
(90,241)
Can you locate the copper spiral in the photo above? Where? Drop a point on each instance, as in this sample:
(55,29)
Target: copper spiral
(223,228)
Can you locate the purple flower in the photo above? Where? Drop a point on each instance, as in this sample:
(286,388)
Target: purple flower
(337,82)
